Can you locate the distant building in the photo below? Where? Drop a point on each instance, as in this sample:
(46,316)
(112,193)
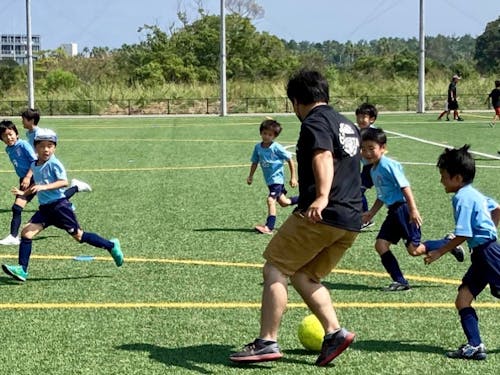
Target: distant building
(14,47)
(71,49)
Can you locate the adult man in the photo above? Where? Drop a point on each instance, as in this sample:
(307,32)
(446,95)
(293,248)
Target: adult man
(324,225)
(452,97)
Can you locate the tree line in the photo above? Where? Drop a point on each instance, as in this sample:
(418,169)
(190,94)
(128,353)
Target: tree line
(190,54)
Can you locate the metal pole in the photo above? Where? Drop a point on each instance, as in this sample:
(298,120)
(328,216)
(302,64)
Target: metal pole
(223,103)
(421,62)
(29,52)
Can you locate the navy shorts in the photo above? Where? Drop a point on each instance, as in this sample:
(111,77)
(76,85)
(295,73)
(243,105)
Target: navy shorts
(452,105)
(59,214)
(276,190)
(366,178)
(397,226)
(484,270)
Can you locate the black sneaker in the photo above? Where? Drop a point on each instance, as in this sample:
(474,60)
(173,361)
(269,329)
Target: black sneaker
(333,346)
(459,119)
(396,287)
(468,351)
(458,252)
(258,351)
(367,225)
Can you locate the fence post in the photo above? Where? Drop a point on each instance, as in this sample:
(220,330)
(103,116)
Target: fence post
(207,106)
(408,102)
(128,107)
(90,107)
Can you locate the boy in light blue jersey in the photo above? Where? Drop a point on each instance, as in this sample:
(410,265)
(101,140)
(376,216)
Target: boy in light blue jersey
(403,219)
(476,220)
(22,155)
(30,118)
(271,156)
(49,182)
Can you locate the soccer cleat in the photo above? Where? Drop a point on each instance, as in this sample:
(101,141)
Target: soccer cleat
(81,186)
(367,225)
(396,287)
(263,229)
(333,346)
(16,272)
(10,240)
(458,252)
(116,252)
(258,351)
(459,119)
(468,351)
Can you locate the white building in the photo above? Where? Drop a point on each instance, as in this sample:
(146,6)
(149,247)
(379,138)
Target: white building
(15,47)
(71,49)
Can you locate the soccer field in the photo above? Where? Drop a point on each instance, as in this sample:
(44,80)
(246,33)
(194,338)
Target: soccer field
(173,190)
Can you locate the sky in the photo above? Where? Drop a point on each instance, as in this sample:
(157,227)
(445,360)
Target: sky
(112,23)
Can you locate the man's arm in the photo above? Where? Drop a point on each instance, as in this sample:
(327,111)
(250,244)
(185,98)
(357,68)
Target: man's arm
(322,165)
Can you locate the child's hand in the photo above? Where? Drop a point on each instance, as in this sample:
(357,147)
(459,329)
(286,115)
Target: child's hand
(25,183)
(249,180)
(432,256)
(415,218)
(16,191)
(366,217)
(294,182)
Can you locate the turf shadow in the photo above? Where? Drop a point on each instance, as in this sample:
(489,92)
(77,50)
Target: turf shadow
(397,346)
(245,230)
(191,358)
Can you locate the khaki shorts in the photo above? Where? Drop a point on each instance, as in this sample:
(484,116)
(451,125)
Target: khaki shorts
(313,249)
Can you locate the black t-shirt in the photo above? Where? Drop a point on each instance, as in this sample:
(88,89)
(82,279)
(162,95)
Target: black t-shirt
(326,129)
(452,91)
(495,98)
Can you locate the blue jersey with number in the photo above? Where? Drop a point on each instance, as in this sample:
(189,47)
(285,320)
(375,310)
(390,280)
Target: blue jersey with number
(271,161)
(50,171)
(388,178)
(472,211)
(22,155)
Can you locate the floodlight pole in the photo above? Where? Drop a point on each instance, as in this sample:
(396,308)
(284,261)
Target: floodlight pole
(223,103)
(29,52)
(421,62)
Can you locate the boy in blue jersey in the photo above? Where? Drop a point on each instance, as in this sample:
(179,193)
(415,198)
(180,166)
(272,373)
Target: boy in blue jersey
(271,156)
(403,219)
(22,155)
(476,220)
(366,115)
(30,118)
(50,180)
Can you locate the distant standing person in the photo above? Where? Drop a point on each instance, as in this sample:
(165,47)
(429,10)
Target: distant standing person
(271,156)
(495,102)
(452,98)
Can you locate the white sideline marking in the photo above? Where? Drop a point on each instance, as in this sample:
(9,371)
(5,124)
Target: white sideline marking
(441,145)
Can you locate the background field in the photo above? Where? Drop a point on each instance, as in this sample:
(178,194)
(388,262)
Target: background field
(173,190)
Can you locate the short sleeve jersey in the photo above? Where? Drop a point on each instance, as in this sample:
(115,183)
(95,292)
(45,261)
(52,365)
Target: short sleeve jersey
(30,136)
(452,91)
(472,214)
(22,155)
(325,129)
(50,171)
(495,97)
(271,161)
(388,178)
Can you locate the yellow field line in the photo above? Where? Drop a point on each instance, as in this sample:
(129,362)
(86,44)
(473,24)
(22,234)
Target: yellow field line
(428,279)
(226,305)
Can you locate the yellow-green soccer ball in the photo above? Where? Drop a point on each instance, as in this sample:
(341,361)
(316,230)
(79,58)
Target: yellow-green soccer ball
(311,333)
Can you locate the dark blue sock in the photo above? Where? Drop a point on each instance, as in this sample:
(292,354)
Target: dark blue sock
(364,202)
(294,200)
(97,241)
(24,253)
(15,223)
(391,265)
(271,221)
(432,245)
(69,192)
(470,325)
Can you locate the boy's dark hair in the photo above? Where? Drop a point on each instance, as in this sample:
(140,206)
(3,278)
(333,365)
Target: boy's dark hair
(376,135)
(497,83)
(367,109)
(458,162)
(7,124)
(31,114)
(270,124)
(307,87)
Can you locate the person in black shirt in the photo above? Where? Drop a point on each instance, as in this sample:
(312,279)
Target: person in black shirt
(324,225)
(495,102)
(452,98)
